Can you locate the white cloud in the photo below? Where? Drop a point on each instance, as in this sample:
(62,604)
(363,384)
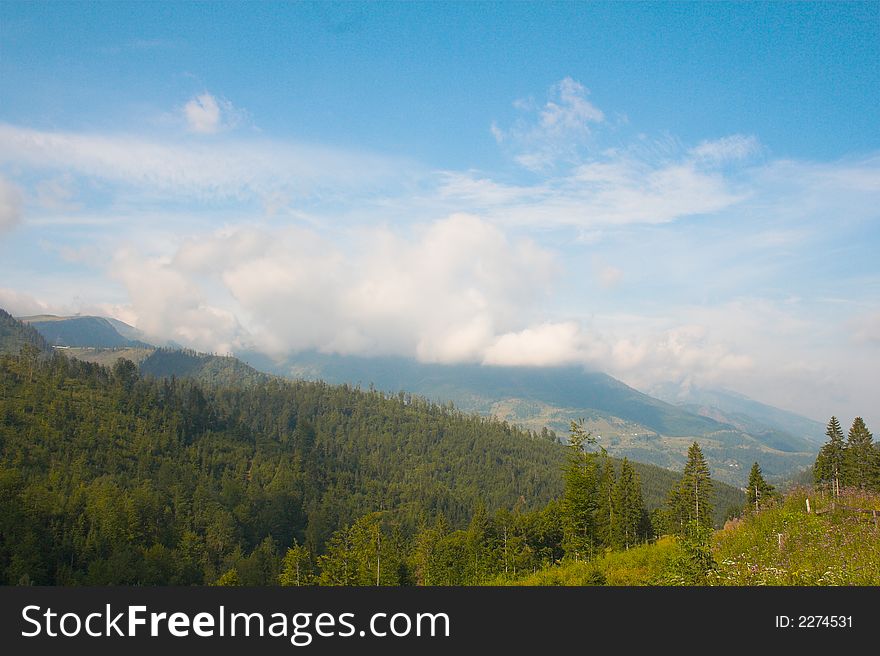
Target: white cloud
(57,193)
(543,345)
(560,127)
(205,114)
(621,191)
(180,171)
(442,293)
(730,148)
(10,205)
(20,304)
(866,328)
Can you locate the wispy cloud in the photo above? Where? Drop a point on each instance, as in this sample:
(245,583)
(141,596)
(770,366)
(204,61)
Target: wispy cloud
(554,131)
(205,114)
(187,170)
(10,205)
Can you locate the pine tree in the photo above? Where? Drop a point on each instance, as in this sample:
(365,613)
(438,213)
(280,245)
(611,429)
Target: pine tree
(628,500)
(606,511)
(692,498)
(579,497)
(859,461)
(759,491)
(828,468)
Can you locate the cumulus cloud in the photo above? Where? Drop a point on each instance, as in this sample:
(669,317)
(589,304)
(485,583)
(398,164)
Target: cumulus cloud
(168,305)
(443,292)
(205,114)
(543,345)
(10,205)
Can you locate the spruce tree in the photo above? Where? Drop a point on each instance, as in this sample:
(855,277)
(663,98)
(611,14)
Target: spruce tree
(859,461)
(695,490)
(607,511)
(759,491)
(628,497)
(828,468)
(579,497)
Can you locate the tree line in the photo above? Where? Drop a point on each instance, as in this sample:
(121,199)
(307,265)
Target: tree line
(854,462)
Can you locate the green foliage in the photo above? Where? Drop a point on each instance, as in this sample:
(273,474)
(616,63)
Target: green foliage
(829,463)
(645,564)
(630,512)
(115,479)
(758,491)
(854,463)
(14,335)
(785,545)
(296,568)
(860,464)
(690,501)
(579,499)
(607,506)
(218,370)
(228,579)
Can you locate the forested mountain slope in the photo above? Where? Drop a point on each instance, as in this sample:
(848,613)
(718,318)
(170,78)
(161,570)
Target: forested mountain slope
(111,478)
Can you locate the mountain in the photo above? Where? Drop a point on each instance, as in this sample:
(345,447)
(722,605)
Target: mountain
(741,411)
(83,331)
(172,481)
(629,423)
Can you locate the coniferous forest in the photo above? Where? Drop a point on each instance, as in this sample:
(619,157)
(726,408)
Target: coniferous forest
(113,476)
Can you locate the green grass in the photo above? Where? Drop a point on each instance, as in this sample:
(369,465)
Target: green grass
(838,547)
(649,564)
(835,547)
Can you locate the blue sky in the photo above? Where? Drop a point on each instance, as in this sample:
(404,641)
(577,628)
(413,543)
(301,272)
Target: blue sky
(679,193)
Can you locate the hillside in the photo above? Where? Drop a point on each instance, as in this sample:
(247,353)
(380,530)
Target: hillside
(14,335)
(744,413)
(630,423)
(126,475)
(81,331)
(209,369)
(782,545)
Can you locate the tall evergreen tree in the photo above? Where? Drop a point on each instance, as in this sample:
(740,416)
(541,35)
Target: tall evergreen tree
(828,468)
(694,492)
(859,461)
(628,500)
(606,510)
(579,497)
(759,491)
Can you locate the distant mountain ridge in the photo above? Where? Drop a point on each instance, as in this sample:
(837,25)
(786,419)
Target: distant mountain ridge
(81,331)
(739,410)
(628,422)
